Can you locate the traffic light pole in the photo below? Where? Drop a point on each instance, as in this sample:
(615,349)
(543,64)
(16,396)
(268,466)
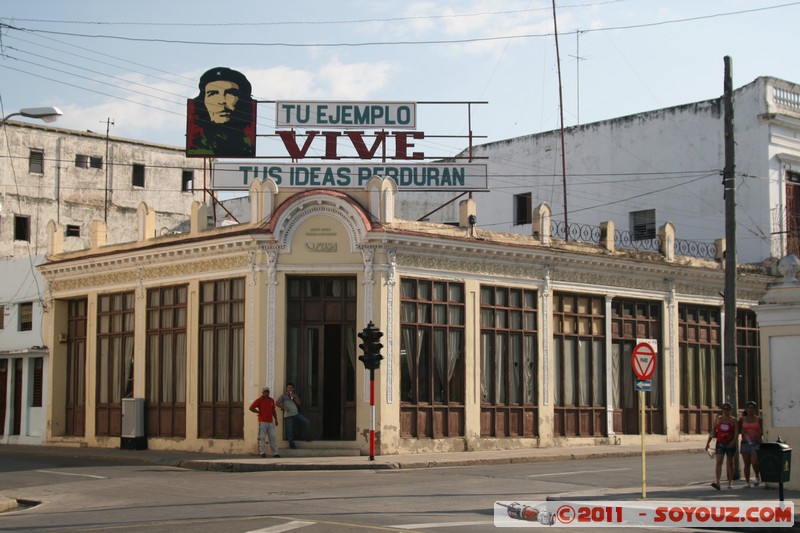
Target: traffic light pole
(371,415)
(371,358)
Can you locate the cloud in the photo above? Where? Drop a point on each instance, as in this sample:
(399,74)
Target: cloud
(154,109)
(479,20)
(355,81)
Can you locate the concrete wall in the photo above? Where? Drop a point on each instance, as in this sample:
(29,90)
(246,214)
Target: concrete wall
(779,321)
(669,160)
(72,195)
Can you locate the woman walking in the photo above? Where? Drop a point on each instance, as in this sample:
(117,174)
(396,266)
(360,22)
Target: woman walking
(725,430)
(751,428)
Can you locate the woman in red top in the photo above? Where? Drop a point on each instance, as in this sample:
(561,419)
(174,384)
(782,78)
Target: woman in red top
(725,430)
(751,429)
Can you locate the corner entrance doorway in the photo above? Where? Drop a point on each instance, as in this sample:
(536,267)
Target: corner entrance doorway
(321,352)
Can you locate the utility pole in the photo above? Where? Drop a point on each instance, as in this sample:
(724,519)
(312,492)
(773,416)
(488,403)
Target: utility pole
(731,376)
(561,109)
(109,123)
(578,60)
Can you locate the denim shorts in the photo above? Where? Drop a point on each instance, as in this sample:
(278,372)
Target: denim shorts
(750,447)
(726,449)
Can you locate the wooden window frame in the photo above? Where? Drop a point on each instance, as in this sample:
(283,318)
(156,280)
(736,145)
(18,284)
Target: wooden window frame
(167,328)
(748,357)
(75,400)
(509,319)
(643,225)
(36,161)
(25,316)
(115,338)
(633,319)
(221,418)
(37,366)
(579,419)
(699,331)
(425,410)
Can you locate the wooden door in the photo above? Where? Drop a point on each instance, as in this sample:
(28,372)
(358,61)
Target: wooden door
(321,353)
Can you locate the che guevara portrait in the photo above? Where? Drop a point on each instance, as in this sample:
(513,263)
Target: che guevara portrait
(221,120)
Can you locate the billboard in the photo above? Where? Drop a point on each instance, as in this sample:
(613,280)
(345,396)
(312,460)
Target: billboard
(313,139)
(221,119)
(453,176)
(366,115)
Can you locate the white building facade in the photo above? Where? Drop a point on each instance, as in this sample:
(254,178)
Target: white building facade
(89,188)
(644,170)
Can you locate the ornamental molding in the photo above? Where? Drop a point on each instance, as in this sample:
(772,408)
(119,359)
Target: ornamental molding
(610,274)
(470,266)
(141,273)
(320,204)
(143,256)
(125,277)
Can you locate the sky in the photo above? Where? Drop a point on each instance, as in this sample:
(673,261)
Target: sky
(136,63)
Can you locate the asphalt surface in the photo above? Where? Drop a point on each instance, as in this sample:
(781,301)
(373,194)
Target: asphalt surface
(250,463)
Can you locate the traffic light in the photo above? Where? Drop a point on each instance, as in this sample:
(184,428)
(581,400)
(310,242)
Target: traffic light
(371,347)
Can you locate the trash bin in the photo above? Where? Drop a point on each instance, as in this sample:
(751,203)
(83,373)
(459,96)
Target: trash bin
(775,461)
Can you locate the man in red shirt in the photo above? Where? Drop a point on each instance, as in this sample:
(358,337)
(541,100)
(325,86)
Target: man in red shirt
(264,407)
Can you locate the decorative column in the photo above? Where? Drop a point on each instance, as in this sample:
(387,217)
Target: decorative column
(272,281)
(369,282)
(251,321)
(546,294)
(390,282)
(609,369)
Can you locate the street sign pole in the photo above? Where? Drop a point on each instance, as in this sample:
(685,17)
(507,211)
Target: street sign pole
(641,425)
(643,360)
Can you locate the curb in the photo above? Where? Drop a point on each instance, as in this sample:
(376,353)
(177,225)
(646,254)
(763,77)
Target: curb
(252,465)
(8,504)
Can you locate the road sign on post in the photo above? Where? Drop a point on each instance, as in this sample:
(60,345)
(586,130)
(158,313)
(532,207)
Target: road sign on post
(643,360)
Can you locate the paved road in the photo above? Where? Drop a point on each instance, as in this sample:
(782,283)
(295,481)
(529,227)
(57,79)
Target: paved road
(83,495)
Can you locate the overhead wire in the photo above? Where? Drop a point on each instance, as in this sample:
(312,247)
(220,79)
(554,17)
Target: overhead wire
(321,22)
(392,43)
(583,31)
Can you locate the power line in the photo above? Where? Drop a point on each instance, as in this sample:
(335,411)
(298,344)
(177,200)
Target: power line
(90,90)
(390,43)
(312,22)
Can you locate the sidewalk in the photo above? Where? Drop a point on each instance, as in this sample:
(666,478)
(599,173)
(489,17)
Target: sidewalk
(251,463)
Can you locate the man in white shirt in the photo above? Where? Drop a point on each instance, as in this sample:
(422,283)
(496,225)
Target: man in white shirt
(290,403)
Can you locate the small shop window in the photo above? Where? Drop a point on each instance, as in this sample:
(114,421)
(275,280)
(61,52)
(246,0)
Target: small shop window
(36,162)
(26,316)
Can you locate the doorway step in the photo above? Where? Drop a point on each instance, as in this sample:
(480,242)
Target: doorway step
(323,448)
